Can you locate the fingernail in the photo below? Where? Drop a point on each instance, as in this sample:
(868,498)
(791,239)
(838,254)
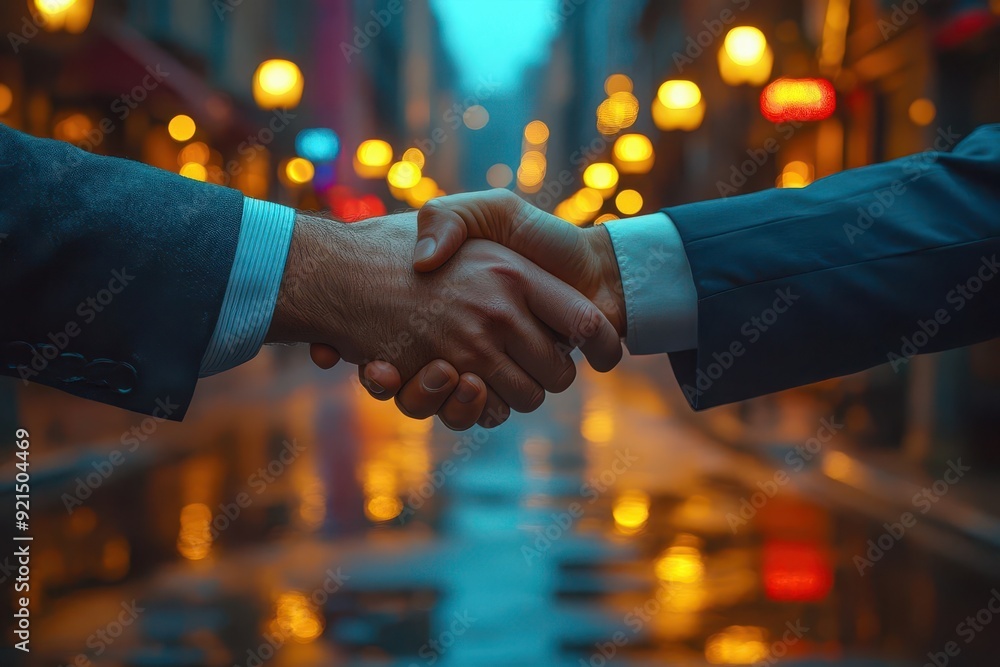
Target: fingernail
(373,386)
(467,392)
(434,379)
(424,250)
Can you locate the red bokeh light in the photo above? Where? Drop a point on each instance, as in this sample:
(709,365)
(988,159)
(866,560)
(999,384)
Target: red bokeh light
(798,99)
(796,572)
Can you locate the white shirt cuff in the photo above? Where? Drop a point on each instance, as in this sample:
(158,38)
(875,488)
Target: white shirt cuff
(661,302)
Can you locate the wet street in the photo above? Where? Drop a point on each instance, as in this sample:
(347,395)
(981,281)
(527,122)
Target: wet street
(612,527)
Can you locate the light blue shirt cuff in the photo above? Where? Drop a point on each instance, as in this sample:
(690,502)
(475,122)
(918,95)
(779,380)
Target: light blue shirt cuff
(252,292)
(661,302)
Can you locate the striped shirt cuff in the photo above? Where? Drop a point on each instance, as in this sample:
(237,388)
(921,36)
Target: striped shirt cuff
(252,292)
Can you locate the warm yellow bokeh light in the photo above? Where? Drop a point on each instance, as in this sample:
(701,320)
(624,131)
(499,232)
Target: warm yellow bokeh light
(499,176)
(617,83)
(589,201)
(737,645)
(73,128)
(633,148)
(607,217)
(299,170)
(414,155)
(296,616)
(421,193)
(404,175)
(680,564)
(375,153)
(745,45)
(630,511)
(194,171)
(383,508)
(629,202)
(536,133)
(601,176)
(679,94)
(181,127)
(6,99)
(70,15)
(277,83)
(922,112)
(194,152)
(796,174)
(194,541)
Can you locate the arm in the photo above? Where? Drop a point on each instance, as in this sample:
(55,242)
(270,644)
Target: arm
(89,245)
(787,286)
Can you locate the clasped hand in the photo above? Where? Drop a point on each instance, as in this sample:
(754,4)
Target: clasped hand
(468,311)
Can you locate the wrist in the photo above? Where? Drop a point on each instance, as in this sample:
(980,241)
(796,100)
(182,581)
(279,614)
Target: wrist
(609,296)
(310,306)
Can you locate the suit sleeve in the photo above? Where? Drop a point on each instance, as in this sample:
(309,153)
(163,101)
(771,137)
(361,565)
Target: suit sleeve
(869,266)
(113,274)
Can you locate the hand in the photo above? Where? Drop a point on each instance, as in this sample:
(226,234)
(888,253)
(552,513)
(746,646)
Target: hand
(492,313)
(581,257)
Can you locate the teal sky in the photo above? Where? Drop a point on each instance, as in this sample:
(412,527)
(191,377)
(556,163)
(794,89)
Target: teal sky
(495,38)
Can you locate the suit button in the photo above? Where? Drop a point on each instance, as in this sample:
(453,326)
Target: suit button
(124,378)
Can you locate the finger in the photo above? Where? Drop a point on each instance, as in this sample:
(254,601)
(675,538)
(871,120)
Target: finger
(514,385)
(573,315)
(424,394)
(466,404)
(380,378)
(545,357)
(324,356)
(496,411)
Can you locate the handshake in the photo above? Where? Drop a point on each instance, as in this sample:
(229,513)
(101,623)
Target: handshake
(466,309)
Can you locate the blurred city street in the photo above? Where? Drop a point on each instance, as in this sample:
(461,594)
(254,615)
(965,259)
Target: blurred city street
(612,526)
(292,520)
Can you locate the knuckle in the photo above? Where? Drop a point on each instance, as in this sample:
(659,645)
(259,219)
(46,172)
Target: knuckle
(585,321)
(565,379)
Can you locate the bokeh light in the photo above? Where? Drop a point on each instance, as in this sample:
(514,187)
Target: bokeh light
(194,170)
(404,175)
(617,83)
(476,117)
(277,84)
(299,170)
(499,176)
(629,202)
(745,45)
(182,127)
(416,156)
(536,133)
(922,112)
(6,98)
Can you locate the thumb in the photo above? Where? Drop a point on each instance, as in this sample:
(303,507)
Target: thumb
(440,233)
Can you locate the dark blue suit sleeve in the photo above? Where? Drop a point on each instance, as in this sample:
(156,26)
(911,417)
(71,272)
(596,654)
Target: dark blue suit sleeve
(869,266)
(112,273)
